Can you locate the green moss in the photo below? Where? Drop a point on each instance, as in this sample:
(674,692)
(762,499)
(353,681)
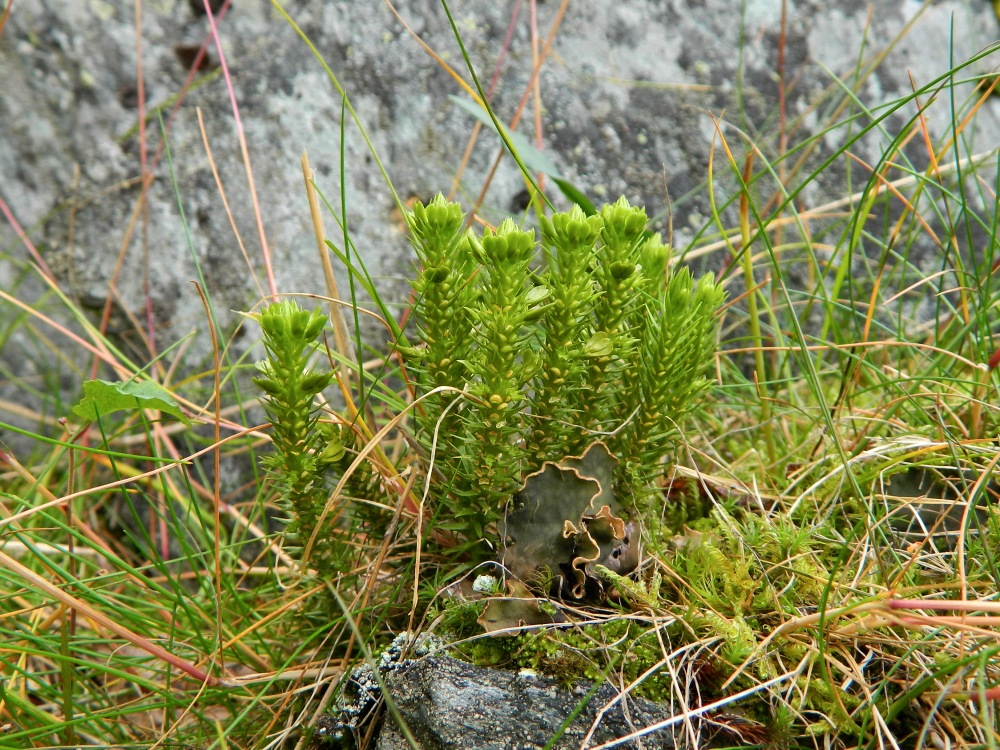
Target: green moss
(460,624)
(569,655)
(833,703)
(743,575)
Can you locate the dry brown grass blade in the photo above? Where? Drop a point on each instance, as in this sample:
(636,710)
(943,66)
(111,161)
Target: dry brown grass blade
(244,151)
(52,501)
(225,201)
(40,584)
(216,462)
(700,711)
(376,567)
(305,674)
(832,209)
(98,349)
(5,16)
(373,444)
(36,256)
(946,605)
(477,127)
(538,61)
(437,58)
(270,616)
(344,345)
(519,111)
(858,78)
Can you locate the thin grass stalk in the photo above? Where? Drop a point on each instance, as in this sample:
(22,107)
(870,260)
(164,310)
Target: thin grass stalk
(336,314)
(350,108)
(216,470)
(746,258)
(272,285)
(41,584)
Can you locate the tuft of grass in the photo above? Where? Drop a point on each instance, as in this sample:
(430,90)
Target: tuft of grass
(830,573)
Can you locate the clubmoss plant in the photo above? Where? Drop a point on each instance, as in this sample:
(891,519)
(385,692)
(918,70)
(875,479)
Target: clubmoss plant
(603,340)
(445,293)
(619,279)
(654,258)
(667,377)
(500,366)
(571,238)
(305,448)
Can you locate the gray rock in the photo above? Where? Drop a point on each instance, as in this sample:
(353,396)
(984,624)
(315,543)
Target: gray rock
(448,704)
(628,95)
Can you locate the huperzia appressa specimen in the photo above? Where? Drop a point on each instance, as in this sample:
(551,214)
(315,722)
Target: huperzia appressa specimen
(603,341)
(305,448)
(500,366)
(568,321)
(648,288)
(619,281)
(444,296)
(675,354)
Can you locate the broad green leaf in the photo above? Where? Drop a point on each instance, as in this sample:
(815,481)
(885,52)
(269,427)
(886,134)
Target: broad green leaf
(101,398)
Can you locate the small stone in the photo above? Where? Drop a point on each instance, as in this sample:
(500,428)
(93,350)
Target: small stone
(447,703)
(485,584)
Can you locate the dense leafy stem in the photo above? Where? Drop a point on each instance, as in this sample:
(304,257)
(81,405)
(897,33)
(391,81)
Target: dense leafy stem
(501,365)
(619,279)
(445,294)
(305,448)
(604,338)
(675,351)
(571,238)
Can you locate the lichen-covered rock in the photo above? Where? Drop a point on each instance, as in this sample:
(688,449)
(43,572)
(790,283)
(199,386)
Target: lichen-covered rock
(628,92)
(449,704)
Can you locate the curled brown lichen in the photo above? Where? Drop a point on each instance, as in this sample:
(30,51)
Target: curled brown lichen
(564,521)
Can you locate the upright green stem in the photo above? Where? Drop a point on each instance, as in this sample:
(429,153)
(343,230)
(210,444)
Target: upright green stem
(606,337)
(619,281)
(443,306)
(566,325)
(501,365)
(305,448)
(675,352)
